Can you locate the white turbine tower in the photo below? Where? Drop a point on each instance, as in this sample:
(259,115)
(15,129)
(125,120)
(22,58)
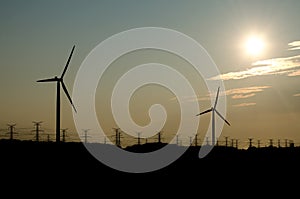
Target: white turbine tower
(214,110)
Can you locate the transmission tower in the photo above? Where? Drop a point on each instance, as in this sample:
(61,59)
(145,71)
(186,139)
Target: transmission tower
(11,128)
(159,137)
(37,129)
(85,134)
(64,134)
(250,142)
(118,137)
(226,141)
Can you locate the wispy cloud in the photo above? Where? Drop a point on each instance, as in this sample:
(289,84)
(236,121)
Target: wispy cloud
(297,95)
(236,93)
(242,96)
(294,73)
(295,45)
(244,104)
(277,66)
(245,92)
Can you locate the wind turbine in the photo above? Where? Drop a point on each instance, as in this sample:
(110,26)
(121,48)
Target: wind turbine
(214,110)
(60,82)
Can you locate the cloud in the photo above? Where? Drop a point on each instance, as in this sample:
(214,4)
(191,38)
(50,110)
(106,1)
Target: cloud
(244,104)
(242,96)
(236,93)
(276,66)
(297,95)
(192,98)
(245,92)
(295,45)
(294,73)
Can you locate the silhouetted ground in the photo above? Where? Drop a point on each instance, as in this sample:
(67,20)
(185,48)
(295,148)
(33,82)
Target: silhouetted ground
(53,166)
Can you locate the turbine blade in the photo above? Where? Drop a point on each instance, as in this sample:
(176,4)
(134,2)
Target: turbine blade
(217,98)
(66,92)
(204,112)
(48,80)
(65,69)
(222,117)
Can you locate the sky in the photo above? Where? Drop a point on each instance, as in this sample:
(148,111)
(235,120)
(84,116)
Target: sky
(262,90)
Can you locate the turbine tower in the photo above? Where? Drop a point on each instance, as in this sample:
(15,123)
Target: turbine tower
(214,110)
(60,82)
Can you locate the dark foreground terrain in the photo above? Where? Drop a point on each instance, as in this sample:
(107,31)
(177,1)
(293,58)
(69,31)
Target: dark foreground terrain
(52,166)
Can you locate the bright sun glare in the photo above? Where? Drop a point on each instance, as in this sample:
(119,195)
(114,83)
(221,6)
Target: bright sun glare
(254,45)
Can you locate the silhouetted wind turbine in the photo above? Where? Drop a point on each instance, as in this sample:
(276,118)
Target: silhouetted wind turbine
(60,82)
(214,110)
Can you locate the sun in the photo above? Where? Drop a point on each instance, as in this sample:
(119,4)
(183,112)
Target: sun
(254,45)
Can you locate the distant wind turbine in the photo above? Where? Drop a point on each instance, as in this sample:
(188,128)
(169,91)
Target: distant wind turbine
(60,82)
(214,110)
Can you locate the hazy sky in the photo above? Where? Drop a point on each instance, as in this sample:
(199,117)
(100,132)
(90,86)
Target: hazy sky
(263,91)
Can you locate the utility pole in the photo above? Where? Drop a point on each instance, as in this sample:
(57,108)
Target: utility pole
(64,134)
(250,142)
(159,137)
(286,142)
(236,143)
(226,141)
(196,140)
(37,129)
(258,143)
(11,128)
(207,141)
(191,140)
(139,138)
(85,134)
(291,143)
(117,137)
(271,142)
(232,143)
(279,143)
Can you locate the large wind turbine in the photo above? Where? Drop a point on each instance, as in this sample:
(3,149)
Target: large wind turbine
(60,82)
(214,110)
